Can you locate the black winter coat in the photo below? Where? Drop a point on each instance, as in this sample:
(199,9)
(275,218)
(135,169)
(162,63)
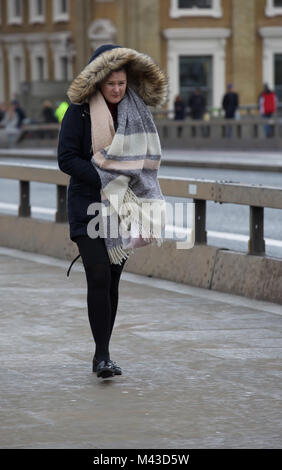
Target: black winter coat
(74,155)
(230,104)
(75,146)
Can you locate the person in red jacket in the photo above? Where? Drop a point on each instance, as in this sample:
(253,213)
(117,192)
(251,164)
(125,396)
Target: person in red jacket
(268,106)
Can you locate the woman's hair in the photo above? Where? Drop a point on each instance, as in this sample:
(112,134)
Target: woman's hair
(121,69)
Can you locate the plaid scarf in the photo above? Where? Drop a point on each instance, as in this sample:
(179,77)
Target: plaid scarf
(127,161)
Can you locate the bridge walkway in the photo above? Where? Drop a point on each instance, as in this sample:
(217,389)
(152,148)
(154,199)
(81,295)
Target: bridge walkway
(201,369)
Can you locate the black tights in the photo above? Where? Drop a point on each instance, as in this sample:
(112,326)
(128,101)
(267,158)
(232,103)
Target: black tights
(102,291)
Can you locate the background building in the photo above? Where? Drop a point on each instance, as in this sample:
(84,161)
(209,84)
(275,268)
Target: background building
(200,43)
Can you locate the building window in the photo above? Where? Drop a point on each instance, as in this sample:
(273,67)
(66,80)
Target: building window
(61,10)
(195,72)
(40,68)
(180,8)
(17,75)
(272,57)
(194,3)
(273,7)
(15,12)
(196,59)
(36,11)
(64,63)
(17,8)
(38,57)
(63,54)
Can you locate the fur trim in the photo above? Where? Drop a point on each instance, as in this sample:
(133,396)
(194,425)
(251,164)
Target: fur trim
(143,75)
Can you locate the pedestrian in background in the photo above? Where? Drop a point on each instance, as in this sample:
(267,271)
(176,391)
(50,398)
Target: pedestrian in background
(197,105)
(20,113)
(268,107)
(3,109)
(11,125)
(230,104)
(179,108)
(179,112)
(61,110)
(48,112)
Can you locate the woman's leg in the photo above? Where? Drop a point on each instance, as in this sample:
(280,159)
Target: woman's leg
(116,271)
(98,275)
(102,291)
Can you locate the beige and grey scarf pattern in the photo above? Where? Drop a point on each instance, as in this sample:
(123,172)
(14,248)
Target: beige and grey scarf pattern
(127,161)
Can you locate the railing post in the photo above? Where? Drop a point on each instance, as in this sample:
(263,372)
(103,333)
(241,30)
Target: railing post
(256,241)
(61,214)
(200,222)
(24,206)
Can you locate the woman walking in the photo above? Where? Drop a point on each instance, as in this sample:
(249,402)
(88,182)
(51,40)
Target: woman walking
(109,146)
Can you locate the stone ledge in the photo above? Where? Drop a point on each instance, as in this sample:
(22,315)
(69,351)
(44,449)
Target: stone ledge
(202,266)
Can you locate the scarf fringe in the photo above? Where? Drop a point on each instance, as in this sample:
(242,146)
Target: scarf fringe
(118,254)
(133,205)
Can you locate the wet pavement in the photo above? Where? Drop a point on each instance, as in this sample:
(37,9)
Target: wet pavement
(201,369)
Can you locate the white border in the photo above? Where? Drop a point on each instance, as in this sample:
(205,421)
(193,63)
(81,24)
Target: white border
(215,11)
(271,10)
(189,42)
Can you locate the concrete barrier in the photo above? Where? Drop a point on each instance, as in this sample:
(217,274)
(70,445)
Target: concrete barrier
(202,266)
(253,275)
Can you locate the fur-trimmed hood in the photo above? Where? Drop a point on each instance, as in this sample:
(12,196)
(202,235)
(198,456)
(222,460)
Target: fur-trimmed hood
(143,75)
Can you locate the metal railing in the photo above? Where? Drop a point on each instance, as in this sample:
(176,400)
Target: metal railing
(26,175)
(257,197)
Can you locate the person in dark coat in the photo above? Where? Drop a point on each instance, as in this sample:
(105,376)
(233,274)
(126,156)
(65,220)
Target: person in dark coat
(48,112)
(197,105)
(179,109)
(230,102)
(19,112)
(179,113)
(109,70)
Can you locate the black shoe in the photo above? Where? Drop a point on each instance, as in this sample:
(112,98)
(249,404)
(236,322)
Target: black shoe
(116,368)
(104,369)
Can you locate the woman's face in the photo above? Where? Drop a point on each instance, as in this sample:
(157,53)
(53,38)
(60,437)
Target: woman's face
(114,87)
